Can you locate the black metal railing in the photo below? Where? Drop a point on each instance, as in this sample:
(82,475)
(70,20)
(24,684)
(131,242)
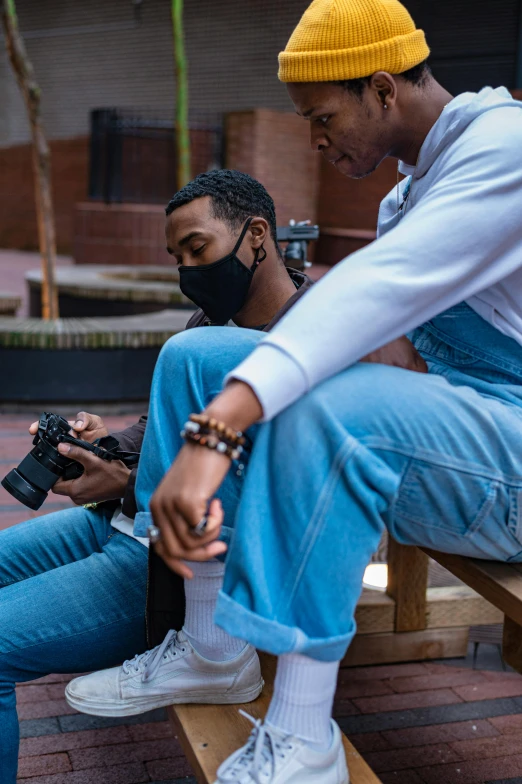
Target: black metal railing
(133,157)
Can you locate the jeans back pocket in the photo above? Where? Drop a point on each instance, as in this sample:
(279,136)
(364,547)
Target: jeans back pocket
(440,502)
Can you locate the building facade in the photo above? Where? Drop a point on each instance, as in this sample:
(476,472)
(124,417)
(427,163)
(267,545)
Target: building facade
(118,53)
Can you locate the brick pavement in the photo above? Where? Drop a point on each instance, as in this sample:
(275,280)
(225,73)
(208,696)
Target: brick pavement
(424,723)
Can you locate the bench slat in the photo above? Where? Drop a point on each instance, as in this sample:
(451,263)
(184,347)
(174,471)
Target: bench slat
(499,583)
(210,733)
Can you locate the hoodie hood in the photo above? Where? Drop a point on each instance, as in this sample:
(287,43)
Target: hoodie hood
(454,120)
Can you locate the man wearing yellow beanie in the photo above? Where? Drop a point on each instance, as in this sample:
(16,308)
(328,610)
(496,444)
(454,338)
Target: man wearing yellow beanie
(341,65)
(345,449)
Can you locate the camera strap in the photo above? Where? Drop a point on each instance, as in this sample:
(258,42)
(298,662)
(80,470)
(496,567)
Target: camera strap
(109,451)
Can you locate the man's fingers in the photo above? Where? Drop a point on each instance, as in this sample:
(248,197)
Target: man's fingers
(174,563)
(215,516)
(33,428)
(83,421)
(188,547)
(63,487)
(87,459)
(206,553)
(169,536)
(88,426)
(186,522)
(174,530)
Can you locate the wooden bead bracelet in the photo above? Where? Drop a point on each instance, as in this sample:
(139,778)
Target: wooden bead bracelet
(207,431)
(226,433)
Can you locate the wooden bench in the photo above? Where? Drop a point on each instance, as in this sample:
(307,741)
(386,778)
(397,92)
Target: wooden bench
(501,585)
(210,733)
(406,623)
(411,622)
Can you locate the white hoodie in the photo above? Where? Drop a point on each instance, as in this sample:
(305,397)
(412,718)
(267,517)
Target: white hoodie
(459,239)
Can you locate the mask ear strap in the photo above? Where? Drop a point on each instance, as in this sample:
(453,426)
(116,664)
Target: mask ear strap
(257,260)
(242,235)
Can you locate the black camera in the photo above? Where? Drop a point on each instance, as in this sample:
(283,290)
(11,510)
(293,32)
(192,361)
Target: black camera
(44,465)
(298,235)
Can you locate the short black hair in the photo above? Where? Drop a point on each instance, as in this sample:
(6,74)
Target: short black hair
(417,76)
(235,197)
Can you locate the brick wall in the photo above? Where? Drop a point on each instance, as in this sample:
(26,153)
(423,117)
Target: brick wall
(274,148)
(149,162)
(120,234)
(17,207)
(271,146)
(353,204)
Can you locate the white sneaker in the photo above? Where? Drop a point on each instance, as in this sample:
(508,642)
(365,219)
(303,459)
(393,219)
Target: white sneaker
(272,757)
(171,673)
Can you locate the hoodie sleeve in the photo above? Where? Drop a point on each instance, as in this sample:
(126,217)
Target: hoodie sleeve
(463,236)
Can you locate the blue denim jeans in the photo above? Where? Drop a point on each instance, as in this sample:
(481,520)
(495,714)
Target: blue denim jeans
(72,599)
(435,458)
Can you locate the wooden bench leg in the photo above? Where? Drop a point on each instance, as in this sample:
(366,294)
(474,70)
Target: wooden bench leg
(512,644)
(413,634)
(407,585)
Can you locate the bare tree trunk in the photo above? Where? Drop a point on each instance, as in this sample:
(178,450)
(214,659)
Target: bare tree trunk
(182,129)
(24,72)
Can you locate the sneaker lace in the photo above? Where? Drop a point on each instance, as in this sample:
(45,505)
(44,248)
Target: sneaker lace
(265,746)
(149,661)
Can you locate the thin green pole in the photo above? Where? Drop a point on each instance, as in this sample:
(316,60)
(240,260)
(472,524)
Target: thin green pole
(182,129)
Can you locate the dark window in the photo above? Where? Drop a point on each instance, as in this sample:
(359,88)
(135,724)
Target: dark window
(474,43)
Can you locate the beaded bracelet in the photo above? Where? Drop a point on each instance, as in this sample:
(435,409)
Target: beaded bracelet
(208,432)
(228,434)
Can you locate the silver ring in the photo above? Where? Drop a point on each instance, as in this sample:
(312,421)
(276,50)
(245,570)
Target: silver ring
(154,534)
(201,527)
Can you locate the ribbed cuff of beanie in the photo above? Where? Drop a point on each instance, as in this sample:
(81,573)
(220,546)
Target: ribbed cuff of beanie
(394,56)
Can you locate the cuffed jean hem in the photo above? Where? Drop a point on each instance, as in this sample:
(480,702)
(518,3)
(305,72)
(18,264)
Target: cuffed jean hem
(274,637)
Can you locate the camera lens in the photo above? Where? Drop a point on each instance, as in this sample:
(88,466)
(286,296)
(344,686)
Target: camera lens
(43,466)
(36,474)
(25,492)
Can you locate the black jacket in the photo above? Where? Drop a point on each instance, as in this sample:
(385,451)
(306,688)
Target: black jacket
(165,594)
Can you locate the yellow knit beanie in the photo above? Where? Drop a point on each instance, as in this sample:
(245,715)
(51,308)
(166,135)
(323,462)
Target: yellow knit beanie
(349,39)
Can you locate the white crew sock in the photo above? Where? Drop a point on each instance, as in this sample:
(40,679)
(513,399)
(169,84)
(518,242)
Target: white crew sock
(201,593)
(304,691)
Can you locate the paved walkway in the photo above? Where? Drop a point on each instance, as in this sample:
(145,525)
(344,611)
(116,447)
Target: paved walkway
(431,723)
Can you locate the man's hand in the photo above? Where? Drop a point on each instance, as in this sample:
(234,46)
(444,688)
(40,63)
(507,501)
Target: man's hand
(86,426)
(180,502)
(186,492)
(399,353)
(102,480)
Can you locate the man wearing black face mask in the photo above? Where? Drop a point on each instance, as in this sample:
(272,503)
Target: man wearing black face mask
(221,230)
(81,571)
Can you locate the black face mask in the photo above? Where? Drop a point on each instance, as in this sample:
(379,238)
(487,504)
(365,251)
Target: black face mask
(220,289)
